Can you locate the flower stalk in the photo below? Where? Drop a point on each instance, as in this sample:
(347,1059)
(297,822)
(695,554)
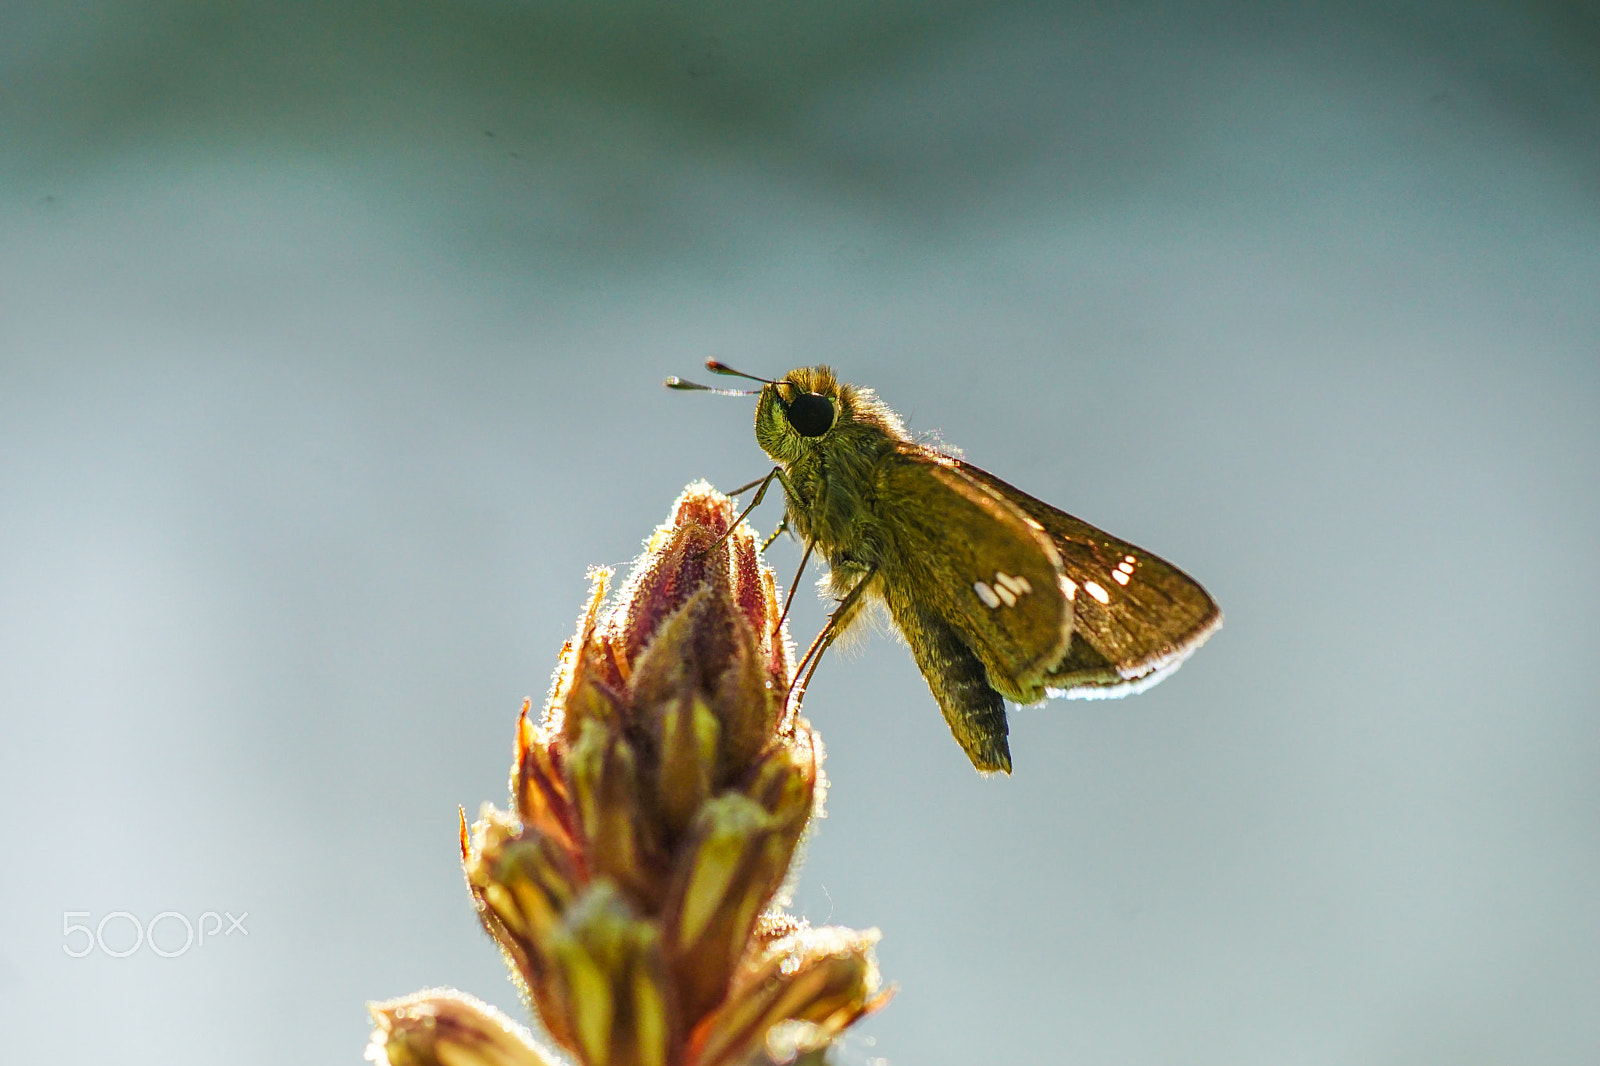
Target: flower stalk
(657,808)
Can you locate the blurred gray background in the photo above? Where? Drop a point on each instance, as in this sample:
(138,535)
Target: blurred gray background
(331,340)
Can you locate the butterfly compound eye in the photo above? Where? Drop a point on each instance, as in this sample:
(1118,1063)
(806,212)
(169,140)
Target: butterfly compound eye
(811,414)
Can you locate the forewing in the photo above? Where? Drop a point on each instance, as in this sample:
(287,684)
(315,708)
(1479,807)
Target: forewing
(1136,616)
(967,555)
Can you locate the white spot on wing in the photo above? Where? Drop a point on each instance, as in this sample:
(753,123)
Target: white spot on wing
(1016,585)
(1005,593)
(1097,592)
(986,594)
(1072,588)
(1125,566)
(1119,577)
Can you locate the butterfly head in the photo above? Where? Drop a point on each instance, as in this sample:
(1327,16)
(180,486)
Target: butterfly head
(799,412)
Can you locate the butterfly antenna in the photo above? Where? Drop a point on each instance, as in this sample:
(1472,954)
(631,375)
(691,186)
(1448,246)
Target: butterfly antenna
(690,386)
(718,367)
(723,368)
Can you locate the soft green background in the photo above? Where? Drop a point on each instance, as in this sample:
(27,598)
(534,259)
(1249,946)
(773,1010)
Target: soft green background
(330,347)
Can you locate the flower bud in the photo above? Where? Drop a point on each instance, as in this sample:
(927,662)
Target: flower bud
(613,983)
(619,836)
(523,882)
(825,977)
(584,689)
(688,739)
(539,785)
(448,1028)
(788,779)
(659,803)
(734,860)
(696,619)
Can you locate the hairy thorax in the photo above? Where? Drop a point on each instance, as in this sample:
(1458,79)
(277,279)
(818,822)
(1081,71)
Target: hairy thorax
(840,498)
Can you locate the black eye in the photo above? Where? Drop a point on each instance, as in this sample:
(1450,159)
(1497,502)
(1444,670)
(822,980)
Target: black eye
(811,414)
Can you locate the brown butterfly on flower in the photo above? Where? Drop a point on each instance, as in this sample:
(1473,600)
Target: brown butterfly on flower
(1000,595)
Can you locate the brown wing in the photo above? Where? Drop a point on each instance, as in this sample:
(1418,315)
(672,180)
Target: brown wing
(967,556)
(1136,617)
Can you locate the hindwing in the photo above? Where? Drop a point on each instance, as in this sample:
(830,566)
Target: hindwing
(1136,616)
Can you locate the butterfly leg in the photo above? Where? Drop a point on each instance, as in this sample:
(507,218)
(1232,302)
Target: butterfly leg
(795,584)
(747,486)
(837,621)
(975,712)
(761,494)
